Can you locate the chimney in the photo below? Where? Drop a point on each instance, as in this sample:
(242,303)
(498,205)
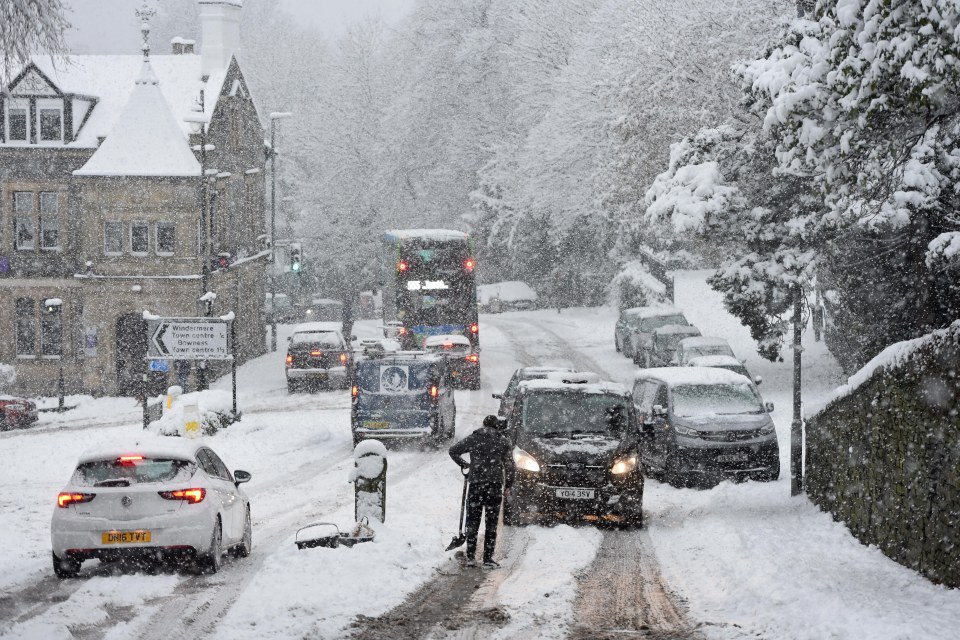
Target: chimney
(181,46)
(219,33)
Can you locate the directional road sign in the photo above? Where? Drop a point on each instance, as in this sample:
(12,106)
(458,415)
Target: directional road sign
(189,339)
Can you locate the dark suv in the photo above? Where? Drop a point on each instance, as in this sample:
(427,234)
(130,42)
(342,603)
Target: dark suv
(403,395)
(317,355)
(576,452)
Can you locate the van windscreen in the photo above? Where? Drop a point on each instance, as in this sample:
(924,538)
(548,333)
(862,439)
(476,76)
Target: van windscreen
(690,400)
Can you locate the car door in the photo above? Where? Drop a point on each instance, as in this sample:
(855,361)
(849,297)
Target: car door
(448,398)
(227,493)
(646,394)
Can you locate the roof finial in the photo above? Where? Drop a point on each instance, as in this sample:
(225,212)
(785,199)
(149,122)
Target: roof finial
(145,13)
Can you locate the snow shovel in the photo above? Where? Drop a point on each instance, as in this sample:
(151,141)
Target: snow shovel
(460,538)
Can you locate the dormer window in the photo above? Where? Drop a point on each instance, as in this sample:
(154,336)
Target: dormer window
(51,125)
(18,118)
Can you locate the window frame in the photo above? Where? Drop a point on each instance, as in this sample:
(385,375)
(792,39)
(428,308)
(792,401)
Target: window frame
(119,223)
(17,220)
(173,240)
(17,105)
(47,217)
(146,227)
(48,105)
(28,322)
(57,331)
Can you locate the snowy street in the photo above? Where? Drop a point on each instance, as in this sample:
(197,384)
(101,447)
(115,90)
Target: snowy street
(736,561)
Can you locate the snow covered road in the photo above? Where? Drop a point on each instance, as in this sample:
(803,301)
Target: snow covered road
(737,561)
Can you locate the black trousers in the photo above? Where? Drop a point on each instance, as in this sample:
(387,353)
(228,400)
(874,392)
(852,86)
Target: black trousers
(483,499)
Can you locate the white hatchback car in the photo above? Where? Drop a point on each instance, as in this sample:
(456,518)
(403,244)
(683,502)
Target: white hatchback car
(158,498)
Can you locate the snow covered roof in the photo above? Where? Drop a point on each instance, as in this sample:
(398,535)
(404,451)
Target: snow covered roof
(438,341)
(528,373)
(148,446)
(509,291)
(146,139)
(600,387)
(395,235)
(691,375)
(704,341)
(318,326)
(109,79)
(652,312)
(714,361)
(676,328)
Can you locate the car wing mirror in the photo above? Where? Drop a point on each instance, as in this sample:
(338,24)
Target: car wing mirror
(646,428)
(658,411)
(239,476)
(758,380)
(769,407)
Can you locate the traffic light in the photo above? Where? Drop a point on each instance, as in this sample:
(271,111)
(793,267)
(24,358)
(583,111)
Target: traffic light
(296,263)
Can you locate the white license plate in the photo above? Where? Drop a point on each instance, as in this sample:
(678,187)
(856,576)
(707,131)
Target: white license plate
(733,457)
(576,494)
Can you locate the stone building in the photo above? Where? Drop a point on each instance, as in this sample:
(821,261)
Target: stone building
(101,206)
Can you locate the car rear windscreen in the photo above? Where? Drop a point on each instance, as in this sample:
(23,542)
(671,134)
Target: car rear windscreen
(394,378)
(649,324)
(690,400)
(328,339)
(571,413)
(105,473)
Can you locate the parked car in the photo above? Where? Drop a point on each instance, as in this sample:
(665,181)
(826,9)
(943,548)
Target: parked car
(462,359)
(706,423)
(663,346)
(324,310)
(724,362)
(284,311)
(697,346)
(509,394)
(576,450)
(317,355)
(403,395)
(152,499)
(635,328)
(513,295)
(16,413)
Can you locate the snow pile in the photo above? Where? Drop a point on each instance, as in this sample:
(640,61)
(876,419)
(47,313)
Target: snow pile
(214,407)
(370,456)
(944,249)
(509,291)
(635,286)
(890,358)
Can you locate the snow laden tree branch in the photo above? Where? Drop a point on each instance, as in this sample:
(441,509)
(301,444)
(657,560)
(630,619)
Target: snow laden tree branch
(28,27)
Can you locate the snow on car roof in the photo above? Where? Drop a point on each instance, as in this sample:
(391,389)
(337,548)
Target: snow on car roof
(424,234)
(704,341)
(677,328)
(147,446)
(305,327)
(691,375)
(541,371)
(652,312)
(601,387)
(437,341)
(714,361)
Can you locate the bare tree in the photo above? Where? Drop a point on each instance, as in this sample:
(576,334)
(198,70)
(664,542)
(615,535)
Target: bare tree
(28,27)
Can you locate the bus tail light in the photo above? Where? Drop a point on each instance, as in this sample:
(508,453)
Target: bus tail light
(354,391)
(434,391)
(474,328)
(469,264)
(402,266)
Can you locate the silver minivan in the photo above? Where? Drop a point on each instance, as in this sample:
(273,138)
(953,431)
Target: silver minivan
(703,424)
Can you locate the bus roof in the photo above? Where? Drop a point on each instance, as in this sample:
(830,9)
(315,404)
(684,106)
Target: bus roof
(437,235)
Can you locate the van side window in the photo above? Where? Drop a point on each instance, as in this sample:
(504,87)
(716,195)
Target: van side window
(660,396)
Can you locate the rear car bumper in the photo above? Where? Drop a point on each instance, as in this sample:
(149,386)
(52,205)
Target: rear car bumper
(333,373)
(393,425)
(20,419)
(81,537)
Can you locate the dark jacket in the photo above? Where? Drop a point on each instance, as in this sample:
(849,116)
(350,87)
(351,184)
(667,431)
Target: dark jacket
(491,457)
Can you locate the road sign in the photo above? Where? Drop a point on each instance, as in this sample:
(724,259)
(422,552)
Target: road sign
(159,366)
(189,339)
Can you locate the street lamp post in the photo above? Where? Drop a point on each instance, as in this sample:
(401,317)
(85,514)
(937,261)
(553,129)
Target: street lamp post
(796,427)
(274,116)
(54,306)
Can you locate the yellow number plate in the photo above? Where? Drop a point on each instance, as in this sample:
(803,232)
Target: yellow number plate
(126,537)
(375,425)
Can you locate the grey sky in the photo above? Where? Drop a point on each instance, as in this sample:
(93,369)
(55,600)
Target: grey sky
(108,26)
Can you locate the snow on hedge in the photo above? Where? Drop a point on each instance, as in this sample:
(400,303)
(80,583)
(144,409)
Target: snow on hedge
(510,291)
(635,286)
(213,405)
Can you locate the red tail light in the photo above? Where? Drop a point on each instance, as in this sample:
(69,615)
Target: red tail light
(469,264)
(193,496)
(289,360)
(129,461)
(474,328)
(402,331)
(64,500)
(473,357)
(434,391)
(448,344)
(343,358)
(354,391)
(402,266)
(316,353)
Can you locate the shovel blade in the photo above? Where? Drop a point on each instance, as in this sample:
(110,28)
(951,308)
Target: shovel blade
(456,542)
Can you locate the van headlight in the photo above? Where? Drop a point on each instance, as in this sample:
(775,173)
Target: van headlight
(624,465)
(525,461)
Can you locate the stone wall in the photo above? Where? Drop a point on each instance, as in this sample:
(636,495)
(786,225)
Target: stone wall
(885,459)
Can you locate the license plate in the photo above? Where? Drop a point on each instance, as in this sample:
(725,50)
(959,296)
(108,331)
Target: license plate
(576,494)
(454,374)
(733,457)
(125,537)
(381,424)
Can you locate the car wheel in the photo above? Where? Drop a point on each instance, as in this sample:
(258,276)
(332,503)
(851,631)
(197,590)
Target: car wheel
(291,386)
(65,567)
(213,561)
(243,549)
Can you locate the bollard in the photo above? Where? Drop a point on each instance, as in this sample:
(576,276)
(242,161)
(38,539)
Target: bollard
(191,420)
(173,395)
(369,477)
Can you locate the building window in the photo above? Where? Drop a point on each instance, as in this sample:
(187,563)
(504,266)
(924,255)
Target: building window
(24,233)
(49,220)
(51,125)
(113,237)
(17,119)
(51,332)
(139,237)
(26,328)
(23,203)
(166,237)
